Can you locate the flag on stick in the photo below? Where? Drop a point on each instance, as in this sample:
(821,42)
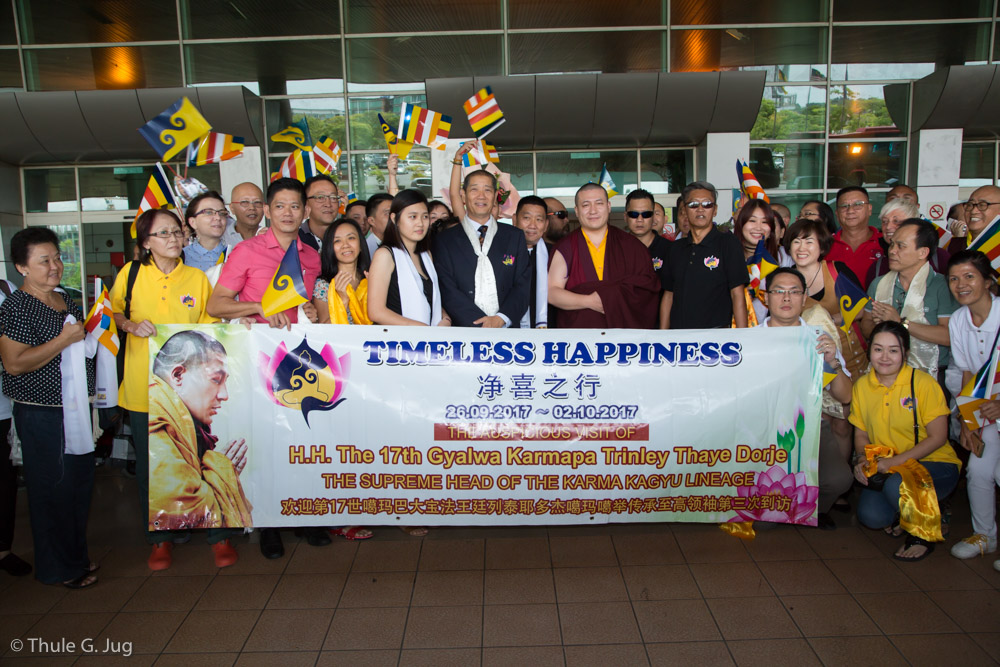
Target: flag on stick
(327,155)
(400,148)
(978,390)
(158,194)
(485,152)
(749,184)
(484,113)
(296,134)
(100,326)
(851,299)
(214,147)
(300,165)
(423,126)
(174,128)
(760,265)
(607,182)
(286,289)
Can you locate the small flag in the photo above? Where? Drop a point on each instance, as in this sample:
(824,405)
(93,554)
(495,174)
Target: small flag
(300,165)
(607,182)
(423,126)
(760,265)
(344,203)
(400,148)
(828,373)
(327,156)
(101,319)
(978,390)
(351,198)
(749,184)
(286,289)
(944,234)
(176,127)
(297,133)
(214,147)
(851,299)
(486,152)
(484,113)
(988,242)
(158,194)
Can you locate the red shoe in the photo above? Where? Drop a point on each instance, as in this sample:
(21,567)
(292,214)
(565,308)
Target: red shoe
(225,554)
(160,559)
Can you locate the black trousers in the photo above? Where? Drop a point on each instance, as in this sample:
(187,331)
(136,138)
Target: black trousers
(8,489)
(60,487)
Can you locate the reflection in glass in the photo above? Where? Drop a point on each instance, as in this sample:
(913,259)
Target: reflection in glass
(640,51)
(365,16)
(67,21)
(121,188)
(795,202)
(978,164)
(271,65)
(10,69)
(7,34)
(905,51)
(409,59)
(667,171)
(860,111)
(698,12)
(788,166)
(253,18)
(869,164)
(324,116)
(104,248)
(104,68)
(519,166)
(562,174)
(791,112)
(796,54)
(366,131)
(49,190)
(69,248)
(865,10)
(575,14)
(370,176)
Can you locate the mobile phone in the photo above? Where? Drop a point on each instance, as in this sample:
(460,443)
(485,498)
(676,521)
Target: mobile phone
(977,445)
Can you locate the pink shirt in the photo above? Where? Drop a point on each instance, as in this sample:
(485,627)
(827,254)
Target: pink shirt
(252,264)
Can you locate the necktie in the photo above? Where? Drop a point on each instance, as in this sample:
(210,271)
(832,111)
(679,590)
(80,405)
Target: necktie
(482,234)
(533,300)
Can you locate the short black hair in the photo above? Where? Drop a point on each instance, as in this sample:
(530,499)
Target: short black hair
(357,202)
(927,236)
(589,186)
(26,239)
(531,200)
(804,227)
(280,184)
(978,260)
(852,188)
(782,270)
(478,172)
(639,193)
(319,178)
(901,333)
(144,224)
(374,201)
(391,238)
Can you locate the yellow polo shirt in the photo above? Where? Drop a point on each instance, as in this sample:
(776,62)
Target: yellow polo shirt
(885,414)
(597,253)
(178,297)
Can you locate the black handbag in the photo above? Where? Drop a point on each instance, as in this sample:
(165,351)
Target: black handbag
(877,481)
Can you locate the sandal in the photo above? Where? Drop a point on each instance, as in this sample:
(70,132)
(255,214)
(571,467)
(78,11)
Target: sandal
(353,533)
(894,530)
(414,531)
(93,567)
(912,541)
(83,581)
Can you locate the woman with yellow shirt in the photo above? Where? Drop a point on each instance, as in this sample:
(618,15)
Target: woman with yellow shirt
(163,291)
(902,455)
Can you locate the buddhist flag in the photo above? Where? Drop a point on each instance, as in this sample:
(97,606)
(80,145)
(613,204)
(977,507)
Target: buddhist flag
(485,152)
(176,127)
(158,194)
(944,234)
(483,112)
(296,134)
(851,298)
(749,184)
(760,265)
(214,147)
(100,327)
(607,182)
(344,203)
(326,156)
(397,147)
(978,390)
(423,126)
(286,289)
(988,242)
(300,165)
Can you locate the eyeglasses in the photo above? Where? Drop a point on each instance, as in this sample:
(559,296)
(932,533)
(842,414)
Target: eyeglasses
(166,234)
(700,204)
(562,215)
(323,199)
(809,214)
(856,205)
(247,203)
(636,214)
(786,292)
(211,212)
(982,204)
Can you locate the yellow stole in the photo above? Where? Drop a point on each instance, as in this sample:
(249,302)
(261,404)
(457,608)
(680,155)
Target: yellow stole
(919,514)
(358,301)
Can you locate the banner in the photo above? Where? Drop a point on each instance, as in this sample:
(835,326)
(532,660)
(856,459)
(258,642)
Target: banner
(371,425)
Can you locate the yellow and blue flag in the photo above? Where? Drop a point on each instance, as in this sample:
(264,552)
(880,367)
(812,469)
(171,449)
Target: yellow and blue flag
(422,126)
(397,147)
(101,318)
(214,147)
(607,182)
(300,165)
(297,133)
(176,127)
(158,194)
(978,390)
(286,289)
(760,265)
(851,299)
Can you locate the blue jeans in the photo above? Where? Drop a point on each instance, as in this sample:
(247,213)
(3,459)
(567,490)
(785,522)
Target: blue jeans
(878,509)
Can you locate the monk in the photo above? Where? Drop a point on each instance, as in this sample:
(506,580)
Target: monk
(600,276)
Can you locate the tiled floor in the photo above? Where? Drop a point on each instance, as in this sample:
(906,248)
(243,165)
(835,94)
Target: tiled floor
(678,594)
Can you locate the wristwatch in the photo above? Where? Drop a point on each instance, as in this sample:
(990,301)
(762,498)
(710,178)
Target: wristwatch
(905,323)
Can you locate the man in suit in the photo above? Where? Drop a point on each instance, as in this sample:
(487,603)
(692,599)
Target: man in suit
(531,217)
(483,267)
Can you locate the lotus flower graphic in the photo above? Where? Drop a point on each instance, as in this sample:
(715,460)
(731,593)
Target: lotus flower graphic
(304,379)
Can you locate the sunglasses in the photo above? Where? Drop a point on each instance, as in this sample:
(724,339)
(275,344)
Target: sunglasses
(562,215)
(637,214)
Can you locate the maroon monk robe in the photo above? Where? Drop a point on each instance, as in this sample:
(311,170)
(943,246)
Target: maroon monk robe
(630,291)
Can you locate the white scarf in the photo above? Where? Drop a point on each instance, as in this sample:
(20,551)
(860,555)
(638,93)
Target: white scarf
(486,282)
(923,355)
(77,429)
(411,288)
(541,289)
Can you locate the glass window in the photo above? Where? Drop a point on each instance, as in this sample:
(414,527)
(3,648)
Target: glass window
(561,174)
(207,19)
(788,166)
(666,171)
(69,248)
(575,14)
(861,112)
(639,51)
(324,116)
(49,190)
(369,173)
(795,202)
(364,16)
(121,188)
(112,67)
(408,59)
(10,69)
(695,12)
(869,164)
(865,10)
(67,21)
(521,170)
(791,112)
(7,33)
(905,51)
(978,164)
(104,246)
(739,48)
(270,67)
(366,131)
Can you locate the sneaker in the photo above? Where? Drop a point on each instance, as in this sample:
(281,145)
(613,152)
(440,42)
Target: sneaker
(974,545)
(160,558)
(225,554)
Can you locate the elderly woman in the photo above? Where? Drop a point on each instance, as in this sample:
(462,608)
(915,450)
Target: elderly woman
(892,215)
(157,288)
(45,372)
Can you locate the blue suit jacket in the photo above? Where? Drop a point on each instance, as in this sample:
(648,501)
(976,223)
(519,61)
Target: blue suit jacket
(455,262)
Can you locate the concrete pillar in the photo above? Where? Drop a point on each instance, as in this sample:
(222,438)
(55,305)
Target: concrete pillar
(717,157)
(939,161)
(249,167)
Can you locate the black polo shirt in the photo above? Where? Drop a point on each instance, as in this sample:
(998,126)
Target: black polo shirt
(700,276)
(658,250)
